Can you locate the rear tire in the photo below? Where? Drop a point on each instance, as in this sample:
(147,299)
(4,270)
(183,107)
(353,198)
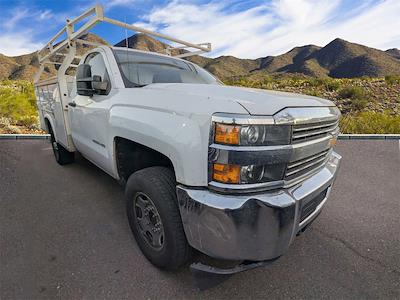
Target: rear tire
(62,155)
(154,217)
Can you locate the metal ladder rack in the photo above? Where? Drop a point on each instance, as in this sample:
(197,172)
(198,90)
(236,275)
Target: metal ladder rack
(67,47)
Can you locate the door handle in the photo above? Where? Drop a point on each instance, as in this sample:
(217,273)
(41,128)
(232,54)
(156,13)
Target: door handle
(72,104)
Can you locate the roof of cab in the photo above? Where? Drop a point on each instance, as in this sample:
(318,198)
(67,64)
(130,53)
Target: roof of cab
(142,51)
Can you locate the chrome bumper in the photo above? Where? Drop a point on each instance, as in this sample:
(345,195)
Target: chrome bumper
(252,227)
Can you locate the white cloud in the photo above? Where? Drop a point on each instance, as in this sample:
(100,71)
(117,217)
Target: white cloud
(145,26)
(270,28)
(17,44)
(45,15)
(112,3)
(276,27)
(376,27)
(16,34)
(17,15)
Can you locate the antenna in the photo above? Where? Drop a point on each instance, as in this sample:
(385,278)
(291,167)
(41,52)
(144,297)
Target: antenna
(126,35)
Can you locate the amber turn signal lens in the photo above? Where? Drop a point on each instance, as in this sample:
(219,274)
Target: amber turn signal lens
(226,173)
(227,134)
(332,141)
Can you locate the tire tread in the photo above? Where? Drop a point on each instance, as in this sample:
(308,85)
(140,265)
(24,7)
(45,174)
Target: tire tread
(163,180)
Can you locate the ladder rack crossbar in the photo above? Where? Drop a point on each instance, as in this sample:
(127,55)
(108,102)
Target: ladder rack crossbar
(96,15)
(153,33)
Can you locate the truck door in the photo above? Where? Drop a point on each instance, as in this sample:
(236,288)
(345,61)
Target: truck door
(89,118)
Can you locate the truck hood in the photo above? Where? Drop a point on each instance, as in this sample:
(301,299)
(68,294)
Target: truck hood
(255,101)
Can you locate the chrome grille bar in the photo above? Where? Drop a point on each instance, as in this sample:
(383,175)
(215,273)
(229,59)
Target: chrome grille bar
(305,165)
(305,160)
(320,125)
(313,131)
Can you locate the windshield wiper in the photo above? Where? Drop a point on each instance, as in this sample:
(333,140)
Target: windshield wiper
(136,85)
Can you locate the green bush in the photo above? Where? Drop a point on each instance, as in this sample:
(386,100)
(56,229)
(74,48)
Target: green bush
(327,83)
(359,104)
(371,122)
(353,92)
(267,80)
(392,79)
(332,85)
(18,102)
(314,93)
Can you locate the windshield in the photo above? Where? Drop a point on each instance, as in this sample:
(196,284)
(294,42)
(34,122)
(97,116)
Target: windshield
(139,69)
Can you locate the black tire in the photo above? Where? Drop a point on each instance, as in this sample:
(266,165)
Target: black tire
(62,155)
(158,183)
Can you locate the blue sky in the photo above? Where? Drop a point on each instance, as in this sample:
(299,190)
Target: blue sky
(246,29)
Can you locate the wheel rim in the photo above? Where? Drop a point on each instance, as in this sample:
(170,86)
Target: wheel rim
(148,220)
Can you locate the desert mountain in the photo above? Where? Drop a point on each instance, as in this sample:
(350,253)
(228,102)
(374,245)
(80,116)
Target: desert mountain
(394,52)
(143,42)
(339,58)
(296,60)
(25,66)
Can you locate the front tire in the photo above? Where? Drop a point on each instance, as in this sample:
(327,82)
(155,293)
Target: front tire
(62,155)
(154,217)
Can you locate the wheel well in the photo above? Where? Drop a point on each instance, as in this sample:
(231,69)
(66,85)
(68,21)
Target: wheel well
(131,157)
(48,125)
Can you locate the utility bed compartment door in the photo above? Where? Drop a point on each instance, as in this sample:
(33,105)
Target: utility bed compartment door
(50,105)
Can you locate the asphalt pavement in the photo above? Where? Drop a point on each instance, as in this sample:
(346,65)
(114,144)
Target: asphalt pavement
(64,235)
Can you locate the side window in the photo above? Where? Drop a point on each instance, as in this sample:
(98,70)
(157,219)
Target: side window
(98,67)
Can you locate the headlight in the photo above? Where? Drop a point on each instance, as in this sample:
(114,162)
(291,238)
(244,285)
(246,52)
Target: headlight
(234,174)
(246,133)
(252,135)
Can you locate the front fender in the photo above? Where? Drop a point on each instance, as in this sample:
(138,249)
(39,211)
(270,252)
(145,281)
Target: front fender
(182,138)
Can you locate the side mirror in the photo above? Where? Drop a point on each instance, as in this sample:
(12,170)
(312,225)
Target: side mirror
(98,85)
(84,80)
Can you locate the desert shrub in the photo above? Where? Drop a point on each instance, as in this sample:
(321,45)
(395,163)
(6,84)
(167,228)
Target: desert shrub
(359,104)
(315,93)
(31,121)
(366,78)
(4,122)
(18,102)
(7,127)
(371,122)
(268,80)
(315,82)
(392,79)
(332,85)
(327,83)
(353,92)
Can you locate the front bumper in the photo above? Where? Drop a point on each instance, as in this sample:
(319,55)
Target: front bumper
(257,226)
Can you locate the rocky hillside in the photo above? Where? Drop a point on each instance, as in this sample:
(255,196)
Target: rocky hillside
(24,67)
(19,67)
(338,59)
(394,52)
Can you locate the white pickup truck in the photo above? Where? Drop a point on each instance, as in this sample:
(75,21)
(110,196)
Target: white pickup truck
(235,173)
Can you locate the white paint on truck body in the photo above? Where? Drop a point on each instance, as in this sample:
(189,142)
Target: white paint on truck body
(171,118)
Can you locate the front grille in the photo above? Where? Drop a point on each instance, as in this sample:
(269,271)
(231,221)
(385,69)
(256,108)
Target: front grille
(311,131)
(308,208)
(303,166)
